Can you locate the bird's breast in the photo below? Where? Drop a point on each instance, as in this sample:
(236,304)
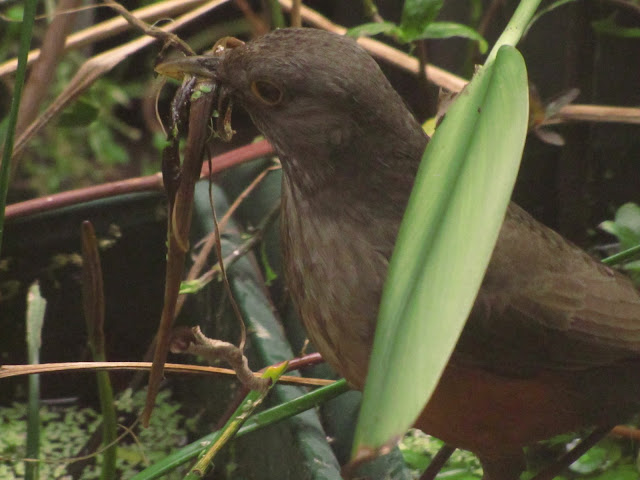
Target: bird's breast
(334,268)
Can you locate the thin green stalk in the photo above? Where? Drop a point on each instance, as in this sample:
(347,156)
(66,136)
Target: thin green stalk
(257,422)
(277,17)
(515,28)
(109,424)
(7,152)
(622,256)
(253,399)
(36,306)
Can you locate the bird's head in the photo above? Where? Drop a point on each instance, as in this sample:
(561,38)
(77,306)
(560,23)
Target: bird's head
(317,96)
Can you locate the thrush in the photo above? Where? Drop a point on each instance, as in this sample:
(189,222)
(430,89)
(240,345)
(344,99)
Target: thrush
(553,341)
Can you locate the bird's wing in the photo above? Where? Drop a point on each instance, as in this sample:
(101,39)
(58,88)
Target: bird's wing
(545,303)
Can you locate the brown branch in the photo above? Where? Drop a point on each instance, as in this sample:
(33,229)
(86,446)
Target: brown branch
(92,291)
(572,455)
(438,462)
(131,185)
(39,82)
(180,214)
(296,19)
(195,342)
(258,26)
(304,362)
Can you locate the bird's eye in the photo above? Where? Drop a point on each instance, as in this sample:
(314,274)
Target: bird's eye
(267,92)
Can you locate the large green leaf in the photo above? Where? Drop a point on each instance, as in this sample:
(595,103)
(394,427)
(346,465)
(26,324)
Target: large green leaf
(445,242)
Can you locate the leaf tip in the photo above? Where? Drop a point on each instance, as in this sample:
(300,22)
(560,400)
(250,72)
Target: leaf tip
(365,453)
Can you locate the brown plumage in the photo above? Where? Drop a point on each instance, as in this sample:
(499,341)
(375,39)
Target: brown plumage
(553,341)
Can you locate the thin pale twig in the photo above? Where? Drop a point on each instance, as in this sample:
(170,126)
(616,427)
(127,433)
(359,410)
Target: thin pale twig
(150,30)
(109,28)
(7,371)
(97,66)
(210,241)
(242,249)
(225,279)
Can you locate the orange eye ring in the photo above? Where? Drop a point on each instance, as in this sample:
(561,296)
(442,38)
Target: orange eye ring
(267,92)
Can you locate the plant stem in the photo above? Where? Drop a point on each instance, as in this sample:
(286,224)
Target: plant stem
(5,166)
(515,28)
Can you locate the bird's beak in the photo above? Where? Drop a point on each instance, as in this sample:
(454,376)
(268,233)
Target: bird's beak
(197,65)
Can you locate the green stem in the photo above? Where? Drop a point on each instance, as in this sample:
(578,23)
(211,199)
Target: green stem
(261,420)
(622,256)
(26,28)
(515,28)
(253,399)
(36,307)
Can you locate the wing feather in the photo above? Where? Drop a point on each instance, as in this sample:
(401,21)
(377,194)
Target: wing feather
(545,303)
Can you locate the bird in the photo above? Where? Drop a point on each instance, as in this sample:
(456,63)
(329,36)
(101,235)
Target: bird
(552,343)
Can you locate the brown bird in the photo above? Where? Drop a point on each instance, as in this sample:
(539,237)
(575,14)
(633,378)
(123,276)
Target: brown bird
(553,341)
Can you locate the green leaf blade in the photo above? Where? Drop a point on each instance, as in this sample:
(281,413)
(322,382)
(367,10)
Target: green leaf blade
(371,29)
(417,14)
(448,30)
(608,26)
(444,245)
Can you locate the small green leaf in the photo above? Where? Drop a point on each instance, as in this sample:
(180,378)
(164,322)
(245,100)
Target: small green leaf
(633,267)
(447,30)
(370,29)
(608,26)
(36,306)
(80,114)
(625,226)
(620,472)
(15,13)
(105,148)
(417,14)
(269,273)
(191,286)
